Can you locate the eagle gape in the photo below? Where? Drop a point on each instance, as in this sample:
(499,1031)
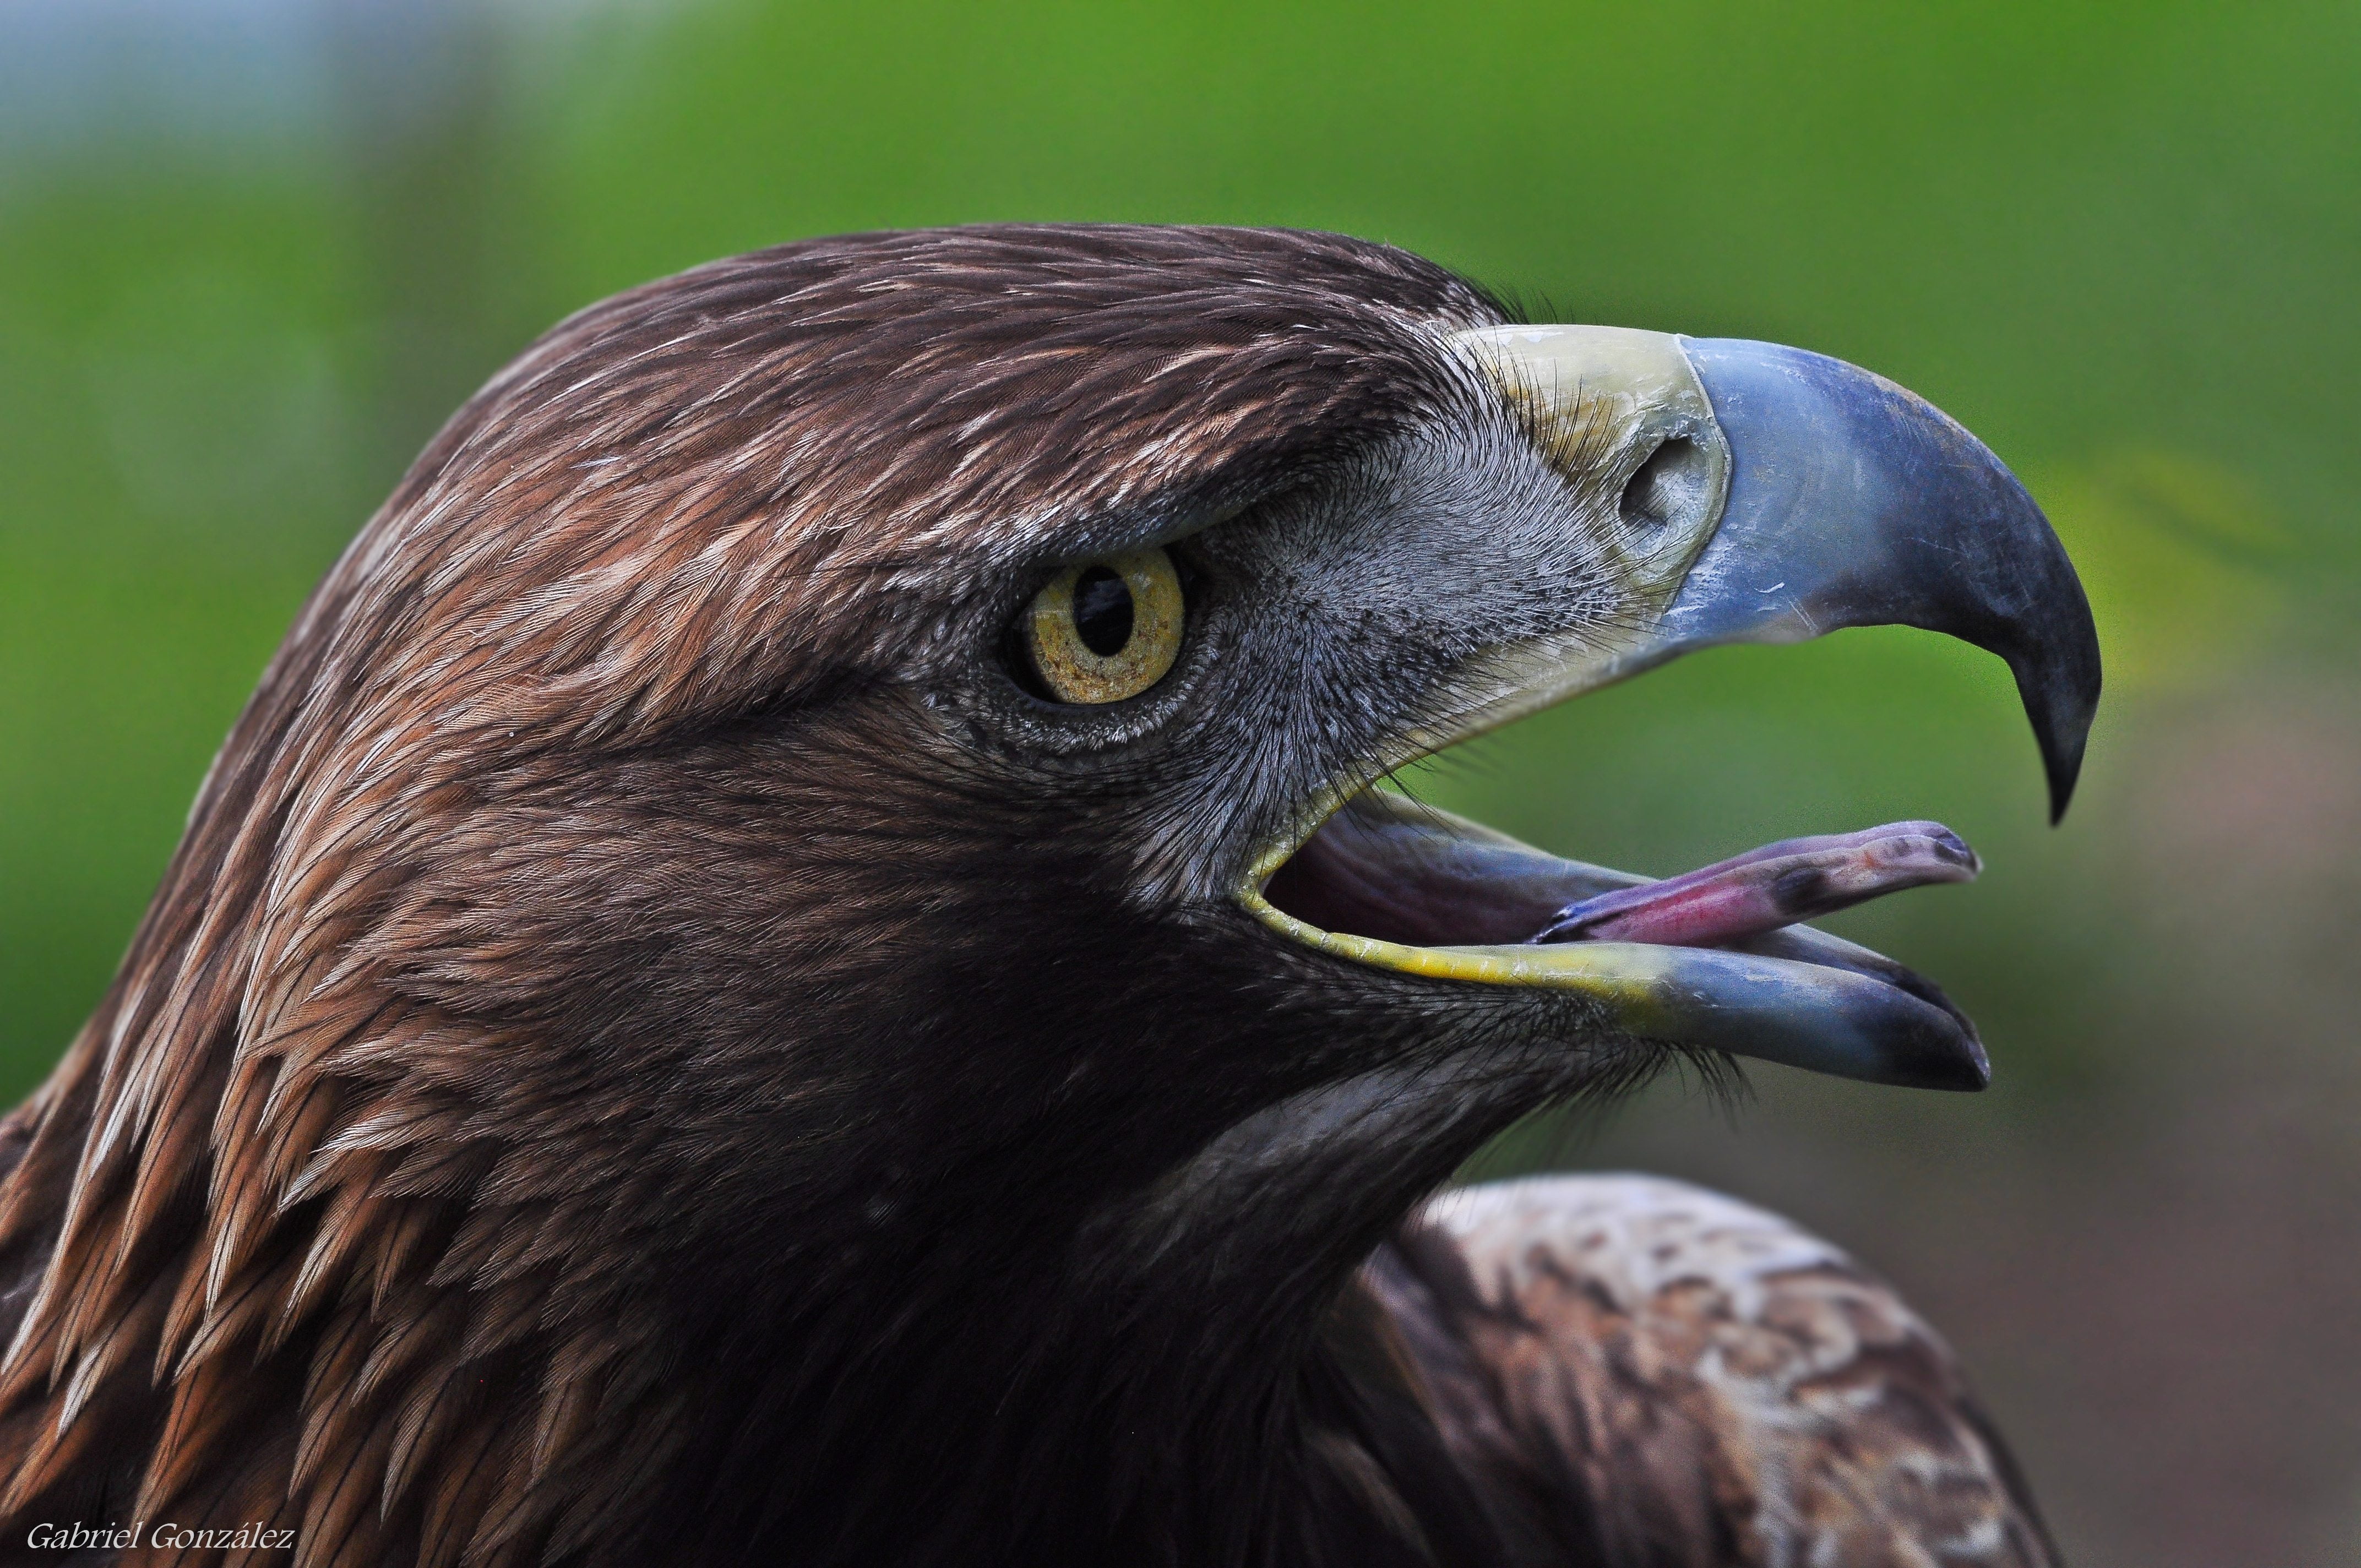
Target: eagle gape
(794,962)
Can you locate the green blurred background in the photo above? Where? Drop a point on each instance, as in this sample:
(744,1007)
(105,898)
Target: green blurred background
(252,252)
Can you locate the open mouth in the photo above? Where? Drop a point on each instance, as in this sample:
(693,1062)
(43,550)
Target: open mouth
(1814,495)
(1718,957)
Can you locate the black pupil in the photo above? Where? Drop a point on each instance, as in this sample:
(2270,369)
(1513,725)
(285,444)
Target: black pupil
(1102,611)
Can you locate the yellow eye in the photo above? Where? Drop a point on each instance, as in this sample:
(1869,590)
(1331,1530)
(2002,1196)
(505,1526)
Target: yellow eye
(1105,630)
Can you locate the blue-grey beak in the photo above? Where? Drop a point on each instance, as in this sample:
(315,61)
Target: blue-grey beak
(1852,502)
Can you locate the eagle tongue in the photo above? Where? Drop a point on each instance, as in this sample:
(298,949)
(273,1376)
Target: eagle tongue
(1765,889)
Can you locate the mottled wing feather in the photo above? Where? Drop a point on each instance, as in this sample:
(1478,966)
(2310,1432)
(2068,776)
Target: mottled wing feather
(1640,1372)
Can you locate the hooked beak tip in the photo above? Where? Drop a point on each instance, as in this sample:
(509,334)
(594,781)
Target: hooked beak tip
(1873,507)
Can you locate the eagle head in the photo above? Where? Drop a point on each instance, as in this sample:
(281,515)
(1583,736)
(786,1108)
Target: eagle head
(797,944)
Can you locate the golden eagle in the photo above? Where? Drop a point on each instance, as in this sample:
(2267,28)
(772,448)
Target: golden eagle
(796,961)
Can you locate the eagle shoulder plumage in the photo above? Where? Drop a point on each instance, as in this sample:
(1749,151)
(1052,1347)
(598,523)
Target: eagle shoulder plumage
(795,959)
(1717,1384)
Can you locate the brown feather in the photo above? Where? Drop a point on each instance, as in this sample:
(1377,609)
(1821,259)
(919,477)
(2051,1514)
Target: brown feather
(1660,1376)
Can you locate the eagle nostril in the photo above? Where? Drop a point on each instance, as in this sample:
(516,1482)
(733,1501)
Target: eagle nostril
(1668,487)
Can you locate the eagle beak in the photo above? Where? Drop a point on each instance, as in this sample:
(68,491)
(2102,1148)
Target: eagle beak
(1794,495)
(1853,502)
(1768,495)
